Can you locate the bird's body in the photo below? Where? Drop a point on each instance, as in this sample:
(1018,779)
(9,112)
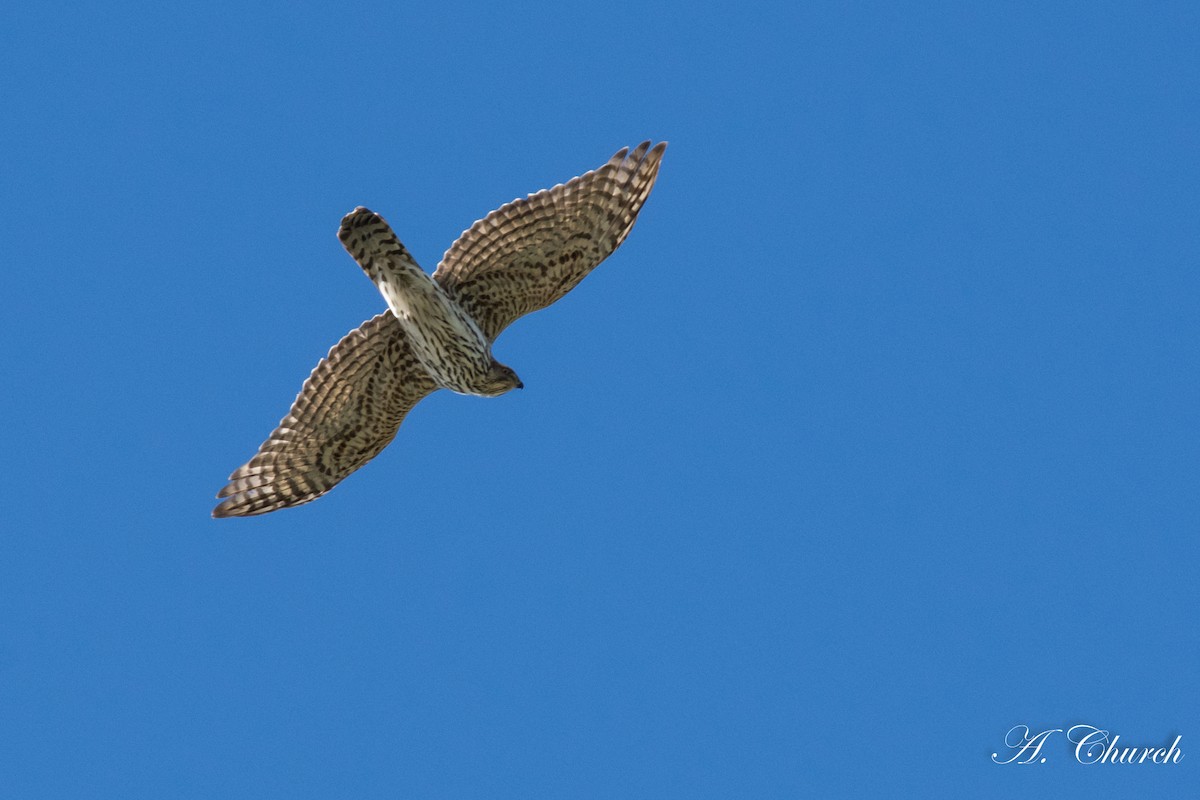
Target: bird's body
(438,330)
(443,337)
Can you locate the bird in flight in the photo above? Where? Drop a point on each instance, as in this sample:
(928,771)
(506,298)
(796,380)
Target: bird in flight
(438,330)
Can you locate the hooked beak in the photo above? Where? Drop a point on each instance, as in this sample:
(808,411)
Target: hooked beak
(520,385)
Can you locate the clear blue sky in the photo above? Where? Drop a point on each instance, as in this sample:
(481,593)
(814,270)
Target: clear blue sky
(877,437)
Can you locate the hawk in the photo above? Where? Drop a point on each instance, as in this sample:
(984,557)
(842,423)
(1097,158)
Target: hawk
(438,330)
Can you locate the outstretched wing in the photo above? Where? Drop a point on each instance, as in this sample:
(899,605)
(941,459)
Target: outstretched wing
(528,253)
(347,411)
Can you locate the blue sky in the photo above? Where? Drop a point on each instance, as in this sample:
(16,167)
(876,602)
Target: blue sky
(877,438)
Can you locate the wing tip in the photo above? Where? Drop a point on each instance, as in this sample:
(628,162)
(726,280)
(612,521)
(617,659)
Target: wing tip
(245,504)
(224,510)
(641,158)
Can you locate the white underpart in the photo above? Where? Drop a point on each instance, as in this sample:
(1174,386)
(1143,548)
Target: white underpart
(444,338)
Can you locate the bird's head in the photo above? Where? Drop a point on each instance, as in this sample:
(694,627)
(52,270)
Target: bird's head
(500,379)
